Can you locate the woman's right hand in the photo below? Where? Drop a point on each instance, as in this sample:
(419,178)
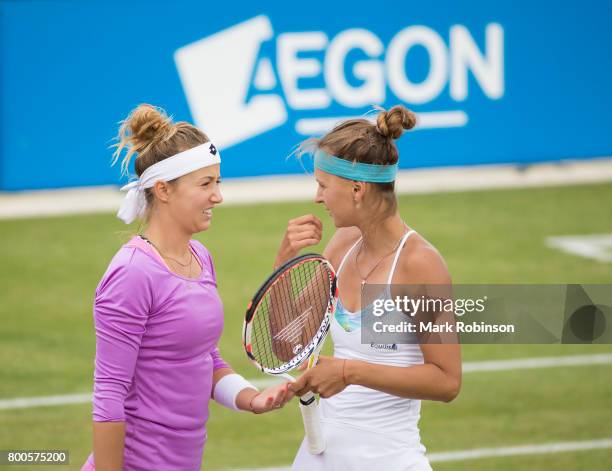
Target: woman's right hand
(301,232)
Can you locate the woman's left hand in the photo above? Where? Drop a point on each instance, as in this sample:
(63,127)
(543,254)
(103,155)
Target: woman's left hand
(271,398)
(327,378)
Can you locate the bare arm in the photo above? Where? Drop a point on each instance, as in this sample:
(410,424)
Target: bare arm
(243,401)
(282,311)
(250,399)
(108,442)
(301,232)
(305,309)
(439,378)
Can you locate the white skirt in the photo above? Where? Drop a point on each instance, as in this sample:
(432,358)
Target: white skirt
(355,449)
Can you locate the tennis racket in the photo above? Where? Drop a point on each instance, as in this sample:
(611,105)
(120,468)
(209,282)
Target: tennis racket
(286,324)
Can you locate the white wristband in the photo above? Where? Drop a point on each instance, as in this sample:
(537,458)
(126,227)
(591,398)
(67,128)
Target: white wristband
(228,388)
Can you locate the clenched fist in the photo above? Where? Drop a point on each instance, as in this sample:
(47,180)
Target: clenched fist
(301,232)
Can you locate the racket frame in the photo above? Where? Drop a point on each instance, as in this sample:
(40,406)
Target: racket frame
(315,440)
(310,351)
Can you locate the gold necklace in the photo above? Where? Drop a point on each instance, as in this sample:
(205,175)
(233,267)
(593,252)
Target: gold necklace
(364,279)
(188,264)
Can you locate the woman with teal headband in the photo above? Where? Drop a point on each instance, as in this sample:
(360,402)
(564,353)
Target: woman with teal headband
(370,393)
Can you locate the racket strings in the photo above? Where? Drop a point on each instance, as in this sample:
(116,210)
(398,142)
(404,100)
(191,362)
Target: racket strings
(290,313)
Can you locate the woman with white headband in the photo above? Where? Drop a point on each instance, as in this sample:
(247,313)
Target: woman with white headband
(157,313)
(370,392)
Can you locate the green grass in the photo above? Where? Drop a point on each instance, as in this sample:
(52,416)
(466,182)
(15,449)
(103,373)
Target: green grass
(51,266)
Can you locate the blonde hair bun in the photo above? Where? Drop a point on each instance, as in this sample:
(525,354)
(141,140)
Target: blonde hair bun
(391,123)
(147,124)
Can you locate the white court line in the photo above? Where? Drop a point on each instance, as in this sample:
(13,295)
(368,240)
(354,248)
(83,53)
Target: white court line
(520,450)
(541,362)
(594,246)
(27,402)
(478,453)
(468,367)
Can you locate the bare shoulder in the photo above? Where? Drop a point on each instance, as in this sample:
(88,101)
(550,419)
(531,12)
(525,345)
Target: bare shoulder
(421,263)
(340,242)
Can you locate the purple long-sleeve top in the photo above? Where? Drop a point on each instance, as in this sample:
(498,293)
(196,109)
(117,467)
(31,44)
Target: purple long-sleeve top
(156,350)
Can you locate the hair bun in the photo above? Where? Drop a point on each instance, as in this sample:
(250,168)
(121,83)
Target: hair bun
(144,126)
(391,124)
(147,124)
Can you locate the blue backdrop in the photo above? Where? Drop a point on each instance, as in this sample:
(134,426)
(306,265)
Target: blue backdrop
(503,81)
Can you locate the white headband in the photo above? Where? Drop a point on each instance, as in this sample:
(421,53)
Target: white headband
(134,203)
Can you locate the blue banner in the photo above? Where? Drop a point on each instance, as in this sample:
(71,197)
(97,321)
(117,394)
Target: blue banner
(491,82)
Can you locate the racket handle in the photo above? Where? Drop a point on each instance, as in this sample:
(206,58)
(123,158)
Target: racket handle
(312,424)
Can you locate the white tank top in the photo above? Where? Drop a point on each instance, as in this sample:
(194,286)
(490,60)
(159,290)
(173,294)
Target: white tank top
(366,408)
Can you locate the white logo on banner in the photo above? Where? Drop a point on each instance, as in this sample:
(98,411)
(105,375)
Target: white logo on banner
(218,71)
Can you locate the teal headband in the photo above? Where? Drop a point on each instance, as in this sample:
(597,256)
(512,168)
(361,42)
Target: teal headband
(354,170)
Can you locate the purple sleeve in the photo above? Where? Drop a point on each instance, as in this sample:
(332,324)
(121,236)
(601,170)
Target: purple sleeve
(122,304)
(218,361)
